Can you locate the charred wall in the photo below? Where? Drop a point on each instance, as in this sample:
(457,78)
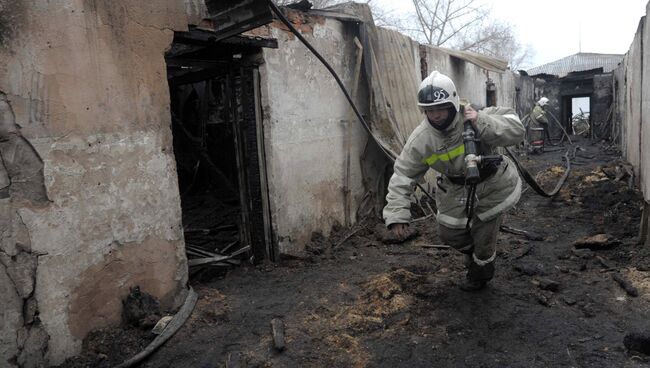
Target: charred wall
(593,84)
(550,87)
(601,105)
(524,95)
(88,187)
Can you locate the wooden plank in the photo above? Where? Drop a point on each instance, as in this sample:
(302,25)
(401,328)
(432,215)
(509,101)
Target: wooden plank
(230,17)
(277,329)
(244,231)
(201,261)
(261,149)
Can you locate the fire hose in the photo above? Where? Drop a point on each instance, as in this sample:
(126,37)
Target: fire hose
(522,171)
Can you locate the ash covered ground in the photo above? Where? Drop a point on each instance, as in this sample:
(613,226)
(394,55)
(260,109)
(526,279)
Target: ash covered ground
(557,301)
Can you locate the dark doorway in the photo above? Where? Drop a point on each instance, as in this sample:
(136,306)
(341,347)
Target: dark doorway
(490,93)
(218,145)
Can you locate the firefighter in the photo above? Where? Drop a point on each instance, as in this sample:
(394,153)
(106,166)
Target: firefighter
(437,143)
(539,118)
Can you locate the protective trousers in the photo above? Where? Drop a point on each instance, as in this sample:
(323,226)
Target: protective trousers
(547,134)
(478,243)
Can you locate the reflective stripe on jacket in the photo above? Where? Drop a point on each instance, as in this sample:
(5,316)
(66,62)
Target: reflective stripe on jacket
(444,152)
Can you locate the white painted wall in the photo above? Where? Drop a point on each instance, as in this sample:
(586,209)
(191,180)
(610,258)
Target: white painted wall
(305,114)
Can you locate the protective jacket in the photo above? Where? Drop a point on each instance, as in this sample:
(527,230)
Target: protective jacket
(538,116)
(444,152)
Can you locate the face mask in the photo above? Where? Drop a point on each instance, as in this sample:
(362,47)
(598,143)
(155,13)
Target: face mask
(446,123)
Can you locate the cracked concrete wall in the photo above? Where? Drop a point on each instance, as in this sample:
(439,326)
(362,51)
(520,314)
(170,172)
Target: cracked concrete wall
(89,197)
(305,119)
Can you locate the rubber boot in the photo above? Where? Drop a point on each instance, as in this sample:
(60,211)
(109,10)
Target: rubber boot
(477,277)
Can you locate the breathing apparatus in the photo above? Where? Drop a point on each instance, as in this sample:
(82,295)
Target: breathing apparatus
(474,164)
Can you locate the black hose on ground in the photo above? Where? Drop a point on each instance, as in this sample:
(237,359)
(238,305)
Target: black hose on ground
(531,181)
(174,325)
(561,127)
(529,178)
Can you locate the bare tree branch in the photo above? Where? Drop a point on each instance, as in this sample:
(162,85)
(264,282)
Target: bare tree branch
(465,25)
(459,24)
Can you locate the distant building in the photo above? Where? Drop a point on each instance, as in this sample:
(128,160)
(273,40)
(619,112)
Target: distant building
(582,61)
(578,76)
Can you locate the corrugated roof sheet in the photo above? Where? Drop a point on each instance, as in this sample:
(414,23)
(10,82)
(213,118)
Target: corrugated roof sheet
(578,62)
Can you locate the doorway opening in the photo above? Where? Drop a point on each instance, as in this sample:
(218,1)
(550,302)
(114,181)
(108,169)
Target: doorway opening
(576,113)
(580,106)
(490,93)
(219,150)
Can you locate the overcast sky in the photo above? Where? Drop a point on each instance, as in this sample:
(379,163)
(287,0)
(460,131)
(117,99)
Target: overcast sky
(554,28)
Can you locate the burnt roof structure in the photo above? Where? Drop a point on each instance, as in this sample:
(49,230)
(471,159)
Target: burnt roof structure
(581,61)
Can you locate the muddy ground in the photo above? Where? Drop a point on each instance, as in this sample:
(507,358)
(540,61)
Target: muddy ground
(365,303)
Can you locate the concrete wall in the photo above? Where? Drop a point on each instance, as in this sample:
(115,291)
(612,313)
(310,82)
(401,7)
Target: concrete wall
(551,88)
(305,117)
(644,110)
(525,95)
(632,80)
(631,104)
(619,116)
(88,188)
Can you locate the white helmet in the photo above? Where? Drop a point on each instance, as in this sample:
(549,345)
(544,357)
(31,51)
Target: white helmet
(437,89)
(543,101)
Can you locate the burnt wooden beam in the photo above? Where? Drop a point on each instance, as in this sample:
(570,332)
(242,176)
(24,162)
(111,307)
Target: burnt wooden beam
(204,37)
(194,63)
(270,43)
(194,77)
(232,17)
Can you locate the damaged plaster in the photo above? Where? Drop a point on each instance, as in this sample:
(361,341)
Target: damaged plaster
(89,202)
(11,319)
(21,183)
(21,164)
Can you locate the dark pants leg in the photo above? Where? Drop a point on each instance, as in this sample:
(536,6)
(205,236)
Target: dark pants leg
(547,134)
(479,241)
